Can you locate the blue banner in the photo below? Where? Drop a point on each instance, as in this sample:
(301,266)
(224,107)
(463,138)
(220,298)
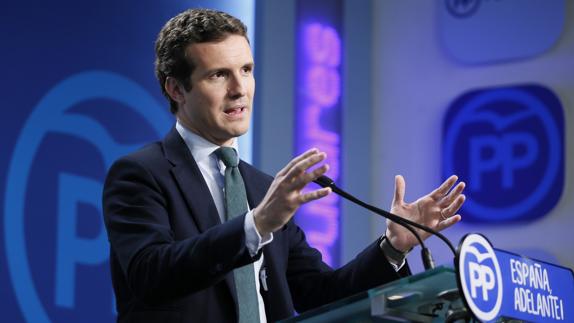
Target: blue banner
(499,284)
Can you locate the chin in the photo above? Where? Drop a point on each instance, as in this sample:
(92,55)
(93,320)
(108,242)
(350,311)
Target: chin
(240,130)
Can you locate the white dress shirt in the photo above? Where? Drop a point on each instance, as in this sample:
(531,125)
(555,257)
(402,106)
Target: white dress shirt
(213,171)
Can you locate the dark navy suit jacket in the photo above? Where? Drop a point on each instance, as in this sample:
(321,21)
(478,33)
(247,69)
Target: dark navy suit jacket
(172,259)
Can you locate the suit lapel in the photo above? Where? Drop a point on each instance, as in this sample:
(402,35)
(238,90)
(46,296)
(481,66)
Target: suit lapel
(255,184)
(195,190)
(196,193)
(191,182)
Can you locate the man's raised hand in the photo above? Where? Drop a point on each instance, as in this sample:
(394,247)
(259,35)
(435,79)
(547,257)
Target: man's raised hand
(285,195)
(437,210)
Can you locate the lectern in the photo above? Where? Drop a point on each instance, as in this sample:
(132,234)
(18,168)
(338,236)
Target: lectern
(485,284)
(431,296)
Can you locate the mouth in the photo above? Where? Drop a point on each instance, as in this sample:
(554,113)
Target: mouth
(235,111)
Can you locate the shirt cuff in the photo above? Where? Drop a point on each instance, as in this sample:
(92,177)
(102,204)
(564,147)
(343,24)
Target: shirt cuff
(398,267)
(253,240)
(396,258)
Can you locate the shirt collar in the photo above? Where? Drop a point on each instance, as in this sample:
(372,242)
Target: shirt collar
(199,147)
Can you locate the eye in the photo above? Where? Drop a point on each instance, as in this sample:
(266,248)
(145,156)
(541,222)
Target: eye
(218,74)
(247,69)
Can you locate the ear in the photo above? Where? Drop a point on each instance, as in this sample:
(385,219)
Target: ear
(174,89)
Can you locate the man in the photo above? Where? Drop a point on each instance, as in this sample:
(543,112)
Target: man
(180,250)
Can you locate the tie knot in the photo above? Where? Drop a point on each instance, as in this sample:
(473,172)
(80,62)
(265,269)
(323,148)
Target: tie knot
(228,156)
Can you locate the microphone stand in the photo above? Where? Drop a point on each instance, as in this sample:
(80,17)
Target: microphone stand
(428,262)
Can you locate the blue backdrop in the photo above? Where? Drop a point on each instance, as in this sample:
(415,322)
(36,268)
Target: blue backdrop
(78,90)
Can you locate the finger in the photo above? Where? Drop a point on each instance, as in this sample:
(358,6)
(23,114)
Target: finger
(400,186)
(454,207)
(314,195)
(303,165)
(448,222)
(296,160)
(452,195)
(444,188)
(307,178)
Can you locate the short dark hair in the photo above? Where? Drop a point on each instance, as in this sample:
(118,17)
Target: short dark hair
(189,27)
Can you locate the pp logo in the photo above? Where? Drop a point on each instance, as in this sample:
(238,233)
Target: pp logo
(508,145)
(480,277)
(56,245)
(486,31)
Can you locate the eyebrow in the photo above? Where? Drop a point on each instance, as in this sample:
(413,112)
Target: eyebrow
(226,69)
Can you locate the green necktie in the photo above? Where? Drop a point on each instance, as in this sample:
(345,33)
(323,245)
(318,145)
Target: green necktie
(236,205)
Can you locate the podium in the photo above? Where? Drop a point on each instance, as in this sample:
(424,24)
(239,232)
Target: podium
(431,296)
(486,285)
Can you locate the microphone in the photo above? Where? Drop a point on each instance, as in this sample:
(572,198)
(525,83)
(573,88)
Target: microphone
(428,262)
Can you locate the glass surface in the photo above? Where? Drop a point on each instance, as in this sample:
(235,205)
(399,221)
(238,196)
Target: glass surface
(425,297)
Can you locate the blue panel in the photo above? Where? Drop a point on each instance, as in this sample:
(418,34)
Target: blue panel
(80,92)
(498,284)
(482,31)
(507,144)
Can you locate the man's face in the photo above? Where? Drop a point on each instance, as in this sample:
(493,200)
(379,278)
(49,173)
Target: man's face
(218,106)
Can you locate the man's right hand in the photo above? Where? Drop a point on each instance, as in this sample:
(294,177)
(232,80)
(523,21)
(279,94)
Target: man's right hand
(285,195)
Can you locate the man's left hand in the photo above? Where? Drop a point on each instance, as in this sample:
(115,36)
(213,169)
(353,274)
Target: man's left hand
(437,210)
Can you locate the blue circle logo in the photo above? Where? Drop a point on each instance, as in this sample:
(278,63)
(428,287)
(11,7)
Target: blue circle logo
(54,115)
(508,145)
(480,277)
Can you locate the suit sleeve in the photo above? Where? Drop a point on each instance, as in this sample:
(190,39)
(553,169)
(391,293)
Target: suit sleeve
(313,283)
(156,266)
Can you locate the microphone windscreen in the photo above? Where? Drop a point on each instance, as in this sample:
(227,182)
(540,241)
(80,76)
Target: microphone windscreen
(324,181)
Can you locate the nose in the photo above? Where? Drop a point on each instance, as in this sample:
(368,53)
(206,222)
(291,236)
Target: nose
(237,86)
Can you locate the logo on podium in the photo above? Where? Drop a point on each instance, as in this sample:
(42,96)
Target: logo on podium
(480,277)
(499,285)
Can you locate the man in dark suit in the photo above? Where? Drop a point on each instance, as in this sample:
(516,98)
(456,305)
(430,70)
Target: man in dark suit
(176,253)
